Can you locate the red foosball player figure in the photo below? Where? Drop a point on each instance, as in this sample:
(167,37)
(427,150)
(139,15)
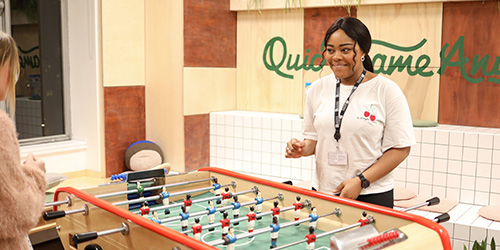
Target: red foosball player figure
(196,229)
(188,202)
(364,221)
(311,238)
(225,224)
(145,208)
(225,196)
(276,210)
(251,219)
(298,206)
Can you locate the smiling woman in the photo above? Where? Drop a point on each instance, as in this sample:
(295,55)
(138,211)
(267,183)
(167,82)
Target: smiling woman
(357,123)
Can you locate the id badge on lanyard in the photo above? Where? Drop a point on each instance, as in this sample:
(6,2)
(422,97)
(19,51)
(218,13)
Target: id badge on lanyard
(337,158)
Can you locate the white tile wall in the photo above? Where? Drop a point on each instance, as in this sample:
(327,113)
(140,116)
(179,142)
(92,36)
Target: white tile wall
(254,143)
(453,162)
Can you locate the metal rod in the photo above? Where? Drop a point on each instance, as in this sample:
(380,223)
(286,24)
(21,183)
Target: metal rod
(55,203)
(196,201)
(156,197)
(319,236)
(193,215)
(284,225)
(414,207)
(429,202)
(140,200)
(81,210)
(151,188)
(111,231)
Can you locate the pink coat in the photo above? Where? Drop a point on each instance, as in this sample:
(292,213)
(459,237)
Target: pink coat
(22,190)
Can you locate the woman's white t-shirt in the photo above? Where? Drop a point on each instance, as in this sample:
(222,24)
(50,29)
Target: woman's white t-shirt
(378,118)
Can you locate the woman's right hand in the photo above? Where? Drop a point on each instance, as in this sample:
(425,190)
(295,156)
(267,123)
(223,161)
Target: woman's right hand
(32,161)
(294,148)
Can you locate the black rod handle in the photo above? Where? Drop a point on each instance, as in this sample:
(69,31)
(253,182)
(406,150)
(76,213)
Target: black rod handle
(82,237)
(50,215)
(442,218)
(433,201)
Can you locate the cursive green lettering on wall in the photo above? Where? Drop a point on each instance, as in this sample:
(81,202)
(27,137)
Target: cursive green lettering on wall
(268,54)
(388,64)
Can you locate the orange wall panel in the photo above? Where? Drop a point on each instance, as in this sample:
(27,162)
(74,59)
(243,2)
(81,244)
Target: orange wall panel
(470,32)
(124,116)
(197,138)
(316,22)
(209,34)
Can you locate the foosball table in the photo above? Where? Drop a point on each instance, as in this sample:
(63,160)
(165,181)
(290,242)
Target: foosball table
(214,208)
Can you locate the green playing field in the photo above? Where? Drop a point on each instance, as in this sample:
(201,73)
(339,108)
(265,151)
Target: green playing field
(263,241)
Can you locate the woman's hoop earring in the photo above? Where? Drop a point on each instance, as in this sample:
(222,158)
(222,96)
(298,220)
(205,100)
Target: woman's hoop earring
(363,58)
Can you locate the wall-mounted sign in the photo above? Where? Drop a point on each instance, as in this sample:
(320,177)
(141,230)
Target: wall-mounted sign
(388,64)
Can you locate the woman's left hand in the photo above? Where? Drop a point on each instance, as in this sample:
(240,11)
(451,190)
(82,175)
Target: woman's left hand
(349,188)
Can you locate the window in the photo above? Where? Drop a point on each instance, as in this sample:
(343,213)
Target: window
(35,25)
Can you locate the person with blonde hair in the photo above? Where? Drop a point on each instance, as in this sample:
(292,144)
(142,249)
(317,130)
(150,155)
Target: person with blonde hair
(22,186)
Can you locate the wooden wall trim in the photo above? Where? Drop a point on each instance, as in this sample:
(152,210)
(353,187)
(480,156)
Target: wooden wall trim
(242,5)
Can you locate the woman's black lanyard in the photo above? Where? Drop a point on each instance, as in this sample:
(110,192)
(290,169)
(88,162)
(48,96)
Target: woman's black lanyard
(338,118)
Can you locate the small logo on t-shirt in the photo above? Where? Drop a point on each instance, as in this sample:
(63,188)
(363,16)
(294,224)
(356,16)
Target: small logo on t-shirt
(371,113)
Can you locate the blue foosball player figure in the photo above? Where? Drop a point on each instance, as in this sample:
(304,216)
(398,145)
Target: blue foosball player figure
(211,214)
(230,239)
(236,209)
(217,187)
(274,233)
(314,217)
(165,199)
(155,217)
(258,205)
(184,218)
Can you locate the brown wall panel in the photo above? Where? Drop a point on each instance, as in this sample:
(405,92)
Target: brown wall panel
(209,34)
(316,22)
(197,138)
(124,116)
(460,101)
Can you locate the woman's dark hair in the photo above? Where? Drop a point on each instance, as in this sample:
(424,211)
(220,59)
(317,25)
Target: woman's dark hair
(358,32)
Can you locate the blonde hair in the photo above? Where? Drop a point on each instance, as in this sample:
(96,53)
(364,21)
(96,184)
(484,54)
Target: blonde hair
(9,56)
